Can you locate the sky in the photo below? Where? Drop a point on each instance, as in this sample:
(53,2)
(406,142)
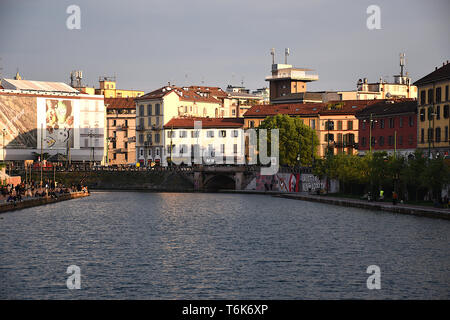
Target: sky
(146,44)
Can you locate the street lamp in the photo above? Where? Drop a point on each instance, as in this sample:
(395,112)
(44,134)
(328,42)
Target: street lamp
(91,134)
(430,130)
(371,123)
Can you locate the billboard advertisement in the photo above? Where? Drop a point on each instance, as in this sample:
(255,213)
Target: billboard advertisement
(18,121)
(53,123)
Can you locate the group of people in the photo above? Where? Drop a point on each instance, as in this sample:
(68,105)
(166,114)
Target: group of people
(33,189)
(371,197)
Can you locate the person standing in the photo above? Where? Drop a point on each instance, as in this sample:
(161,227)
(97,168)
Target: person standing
(381,195)
(394,198)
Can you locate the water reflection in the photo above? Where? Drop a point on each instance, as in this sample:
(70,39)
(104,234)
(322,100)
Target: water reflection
(219,246)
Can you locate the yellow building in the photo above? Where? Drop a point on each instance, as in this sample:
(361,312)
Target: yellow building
(155,109)
(109,90)
(433,111)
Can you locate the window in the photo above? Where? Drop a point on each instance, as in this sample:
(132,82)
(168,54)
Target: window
(141,110)
(141,152)
(339,125)
(149,122)
(400,140)
(183,148)
(222,149)
(430,96)
(382,123)
(157,109)
(235,148)
(391,122)
(422,114)
(183,134)
(438,134)
(410,139)
(390,140)
(222,133)
(372,142)
(329,137)
(149,110)
(171,134)
(210,134)
(235,133)
(114,123)
(313,124)
(446,111)
(364,124)
(438,112)
(422,136)
(329,125)
(400,122)
(157,137)
(381,141)
(194,134)
(349,125)
(446,133)
(363,141)
(422,97)
(411,121)
(446,93)
(141,138)
(438,94)
(252,124)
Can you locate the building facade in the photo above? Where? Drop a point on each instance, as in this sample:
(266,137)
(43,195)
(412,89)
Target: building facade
(155,109)
(121,137)
(433,111)
(205,141)
(389,126)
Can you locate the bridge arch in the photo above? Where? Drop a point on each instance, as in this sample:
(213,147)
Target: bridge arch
(219,181)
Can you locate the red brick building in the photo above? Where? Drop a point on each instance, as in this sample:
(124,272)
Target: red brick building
(389,126)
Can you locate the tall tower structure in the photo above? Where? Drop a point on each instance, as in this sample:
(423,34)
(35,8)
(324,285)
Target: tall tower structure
(286,79)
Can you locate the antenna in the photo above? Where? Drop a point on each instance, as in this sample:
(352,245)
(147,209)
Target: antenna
(242,81)
(402,63)
(272,53)
(286,53)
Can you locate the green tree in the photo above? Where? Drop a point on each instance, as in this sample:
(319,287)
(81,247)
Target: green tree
(295,137)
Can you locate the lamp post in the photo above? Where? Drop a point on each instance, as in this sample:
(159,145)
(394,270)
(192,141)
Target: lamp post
(91,134)
(430,130)
(371,123)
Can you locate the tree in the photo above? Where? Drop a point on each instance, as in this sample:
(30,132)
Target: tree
(295,138)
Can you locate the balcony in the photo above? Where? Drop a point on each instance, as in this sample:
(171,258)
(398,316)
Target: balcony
(140,127)
(156,127)
(121,127)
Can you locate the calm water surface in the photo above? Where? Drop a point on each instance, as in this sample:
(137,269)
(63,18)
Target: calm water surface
(219,246)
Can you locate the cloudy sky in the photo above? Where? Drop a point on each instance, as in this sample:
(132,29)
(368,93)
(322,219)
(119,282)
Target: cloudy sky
(220,42)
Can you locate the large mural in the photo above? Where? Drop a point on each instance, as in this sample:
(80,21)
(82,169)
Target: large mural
(288,182)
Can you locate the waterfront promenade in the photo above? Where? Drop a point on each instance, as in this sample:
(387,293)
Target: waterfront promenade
(425,211)
(28,202)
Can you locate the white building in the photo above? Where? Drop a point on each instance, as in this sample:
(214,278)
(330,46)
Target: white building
(53,118)
(204,140)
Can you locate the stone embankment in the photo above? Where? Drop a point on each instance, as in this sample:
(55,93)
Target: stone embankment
(33,202)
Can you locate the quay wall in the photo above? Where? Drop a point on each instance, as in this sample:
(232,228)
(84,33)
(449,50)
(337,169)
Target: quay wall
(40,201)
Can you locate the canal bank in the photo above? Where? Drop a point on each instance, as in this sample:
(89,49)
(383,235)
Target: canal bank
(362,204)
(34,202)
